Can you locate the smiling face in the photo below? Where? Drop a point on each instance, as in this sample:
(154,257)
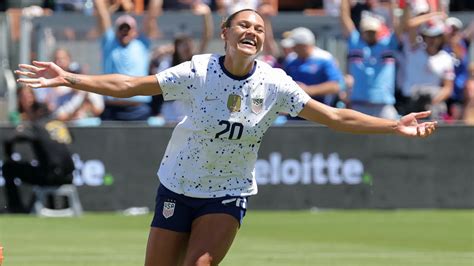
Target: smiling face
(244,34)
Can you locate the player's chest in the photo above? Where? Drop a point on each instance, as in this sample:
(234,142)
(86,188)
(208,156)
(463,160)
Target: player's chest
(234,110)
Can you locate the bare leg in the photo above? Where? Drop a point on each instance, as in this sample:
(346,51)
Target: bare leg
(210,239)
(165,247)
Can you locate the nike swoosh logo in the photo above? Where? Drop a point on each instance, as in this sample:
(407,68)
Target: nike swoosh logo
(207,99)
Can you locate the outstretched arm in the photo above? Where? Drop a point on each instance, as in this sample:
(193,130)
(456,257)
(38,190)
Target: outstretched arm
(325,88)
(351,121)
(48,74)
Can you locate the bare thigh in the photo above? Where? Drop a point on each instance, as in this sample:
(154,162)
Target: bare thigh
(165,247)
(210,239)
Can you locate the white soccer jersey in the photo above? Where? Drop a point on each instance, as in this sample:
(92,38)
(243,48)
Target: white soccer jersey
(213,150)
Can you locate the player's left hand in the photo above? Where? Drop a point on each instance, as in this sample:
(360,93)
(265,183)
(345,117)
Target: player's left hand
(410,127)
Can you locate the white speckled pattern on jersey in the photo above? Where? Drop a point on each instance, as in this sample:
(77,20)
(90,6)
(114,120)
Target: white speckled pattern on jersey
(212,152)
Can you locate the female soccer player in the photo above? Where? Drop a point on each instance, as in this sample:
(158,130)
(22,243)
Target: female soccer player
(207,172)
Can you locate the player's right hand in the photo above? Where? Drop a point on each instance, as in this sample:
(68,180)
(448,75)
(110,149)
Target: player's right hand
(40,75)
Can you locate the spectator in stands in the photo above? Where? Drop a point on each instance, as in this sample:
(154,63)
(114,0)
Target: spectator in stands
(371,63)
(126,51)
(270,52)
(457,45)
(468,114)
(183,4)
(52,163)
(65,103)
(28,105)
(182,51)
(380,9)
(429,71)
(159,62)
(286,47)
(314,69)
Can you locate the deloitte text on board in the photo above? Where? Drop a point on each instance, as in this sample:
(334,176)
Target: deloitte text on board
(310,169)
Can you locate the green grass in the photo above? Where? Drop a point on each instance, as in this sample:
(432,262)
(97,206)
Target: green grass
(439,237)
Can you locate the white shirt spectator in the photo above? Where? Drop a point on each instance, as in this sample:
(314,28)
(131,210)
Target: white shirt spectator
(422,69)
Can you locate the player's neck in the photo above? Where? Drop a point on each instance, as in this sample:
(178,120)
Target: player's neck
(238,66)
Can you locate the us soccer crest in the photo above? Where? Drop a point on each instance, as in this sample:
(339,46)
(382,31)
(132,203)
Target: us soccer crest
(256,105)
(233,103)
(168,209)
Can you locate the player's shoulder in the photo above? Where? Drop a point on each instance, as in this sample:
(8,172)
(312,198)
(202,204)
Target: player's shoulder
(201,63)
(264,68)
(271,74)
(204,59)
(319,53)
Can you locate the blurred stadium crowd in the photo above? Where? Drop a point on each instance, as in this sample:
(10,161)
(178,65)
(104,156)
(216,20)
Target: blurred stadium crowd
(402,55)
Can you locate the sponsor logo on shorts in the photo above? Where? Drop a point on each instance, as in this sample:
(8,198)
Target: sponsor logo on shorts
(168,209)
(238,202)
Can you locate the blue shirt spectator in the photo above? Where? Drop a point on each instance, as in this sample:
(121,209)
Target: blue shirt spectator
(318,68)
(371,63)
(125,50)
(132,59)
(312,68)
(373,69)
(458,45)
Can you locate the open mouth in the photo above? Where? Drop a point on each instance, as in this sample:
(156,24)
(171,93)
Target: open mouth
(249,42)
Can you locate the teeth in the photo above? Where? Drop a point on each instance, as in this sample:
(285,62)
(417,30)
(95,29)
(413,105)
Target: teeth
(246,41)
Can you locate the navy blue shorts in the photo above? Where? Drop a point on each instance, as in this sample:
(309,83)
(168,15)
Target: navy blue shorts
(177,212)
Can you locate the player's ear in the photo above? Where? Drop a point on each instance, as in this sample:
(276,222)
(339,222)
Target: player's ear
(224,34)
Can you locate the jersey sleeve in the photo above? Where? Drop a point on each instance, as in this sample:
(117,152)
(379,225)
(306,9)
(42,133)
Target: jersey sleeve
(291,98)
(175,82)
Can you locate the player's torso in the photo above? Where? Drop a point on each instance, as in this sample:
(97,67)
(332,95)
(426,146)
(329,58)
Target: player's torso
(232,110)
(217,143)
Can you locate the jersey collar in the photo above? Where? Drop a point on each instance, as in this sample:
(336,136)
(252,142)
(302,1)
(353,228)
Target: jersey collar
(230,75)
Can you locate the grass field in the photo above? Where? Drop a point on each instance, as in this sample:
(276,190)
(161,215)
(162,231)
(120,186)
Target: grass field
(402,238)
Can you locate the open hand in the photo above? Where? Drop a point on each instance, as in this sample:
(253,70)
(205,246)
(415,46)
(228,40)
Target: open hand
(40,75)
(410,127)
